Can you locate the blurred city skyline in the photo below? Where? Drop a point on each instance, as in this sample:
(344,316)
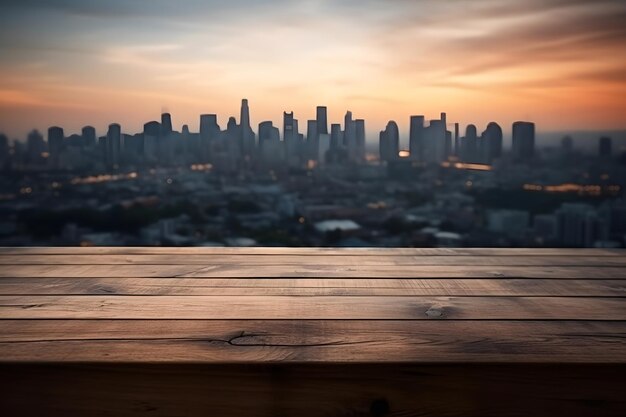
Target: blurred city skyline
(560,63)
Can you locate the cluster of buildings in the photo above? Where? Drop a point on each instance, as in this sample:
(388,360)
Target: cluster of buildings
(237,146)
(234,186)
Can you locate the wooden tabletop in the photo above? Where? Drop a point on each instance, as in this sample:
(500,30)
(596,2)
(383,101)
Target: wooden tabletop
(277,305)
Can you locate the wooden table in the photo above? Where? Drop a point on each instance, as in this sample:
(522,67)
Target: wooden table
(312,332)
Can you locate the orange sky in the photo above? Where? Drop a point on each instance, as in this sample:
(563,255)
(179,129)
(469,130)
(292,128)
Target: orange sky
(560,63)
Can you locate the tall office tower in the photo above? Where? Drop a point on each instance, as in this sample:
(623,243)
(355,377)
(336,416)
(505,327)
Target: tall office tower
(4,151)
(336,136)
(55,144)
(89,136)
(457,149)
(233,134)
(312,140)
(247,135)
(288,131)
(435,145)
(416,138)
(322,120)
(605,147)
(151,135)
(291,137)
(265,132)
(271,148)
(523,140)
(113,145)
(360,139)
(166,123)
(389,145)
(469,144)
(444,120)
(491,143)
(349,136)
(209,129)
(35,147)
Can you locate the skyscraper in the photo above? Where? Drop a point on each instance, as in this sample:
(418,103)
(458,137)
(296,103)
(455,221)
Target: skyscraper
(389,144)
(469,144)
(491,143)
(209,129)
(89,136)
(336,138)
(349,136)
(457,144)
(312,139)
(360,139)
(416,137)
(435,146)
(322,120)
(113,145)
(55,144)
(166,123)
(247,135)
(35,146)
(151,135)
(523,140)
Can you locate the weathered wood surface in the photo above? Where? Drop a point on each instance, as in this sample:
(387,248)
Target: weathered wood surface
(310,332)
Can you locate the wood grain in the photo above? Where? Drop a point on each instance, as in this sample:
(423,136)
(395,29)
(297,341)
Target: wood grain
(329,308)
(247,270)
(322,341)
(312,332)
(306,287)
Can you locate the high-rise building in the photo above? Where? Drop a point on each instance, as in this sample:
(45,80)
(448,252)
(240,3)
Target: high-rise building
(457,144)
(151,138)
(35,147)
(322,120)
(89,136)
(523,140)
(56,138)
(605,147)
(312,139)
(469,144)
(166,123)
(288,130)
(209,128)
(435,144)
(4,151)
(247,135)
(113,145)
(336,136)
(360,139)
(416,138)
(266,130)
(491,143)
(389,145)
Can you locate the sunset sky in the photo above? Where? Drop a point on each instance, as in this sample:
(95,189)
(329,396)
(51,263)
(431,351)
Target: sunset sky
(560,63)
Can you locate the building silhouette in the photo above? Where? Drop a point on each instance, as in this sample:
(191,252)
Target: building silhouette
(389,144)
(523,141)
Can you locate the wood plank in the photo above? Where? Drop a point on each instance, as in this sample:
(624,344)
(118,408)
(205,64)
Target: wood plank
(313,260)
(328,308)
(311,287)
(400,390)
(337,341)
(315,271)
(310,251)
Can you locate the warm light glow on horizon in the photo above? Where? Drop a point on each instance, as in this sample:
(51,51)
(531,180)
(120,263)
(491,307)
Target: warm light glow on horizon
(72,63)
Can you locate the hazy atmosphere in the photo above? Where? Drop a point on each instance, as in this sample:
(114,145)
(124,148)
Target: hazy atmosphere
(560,63)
